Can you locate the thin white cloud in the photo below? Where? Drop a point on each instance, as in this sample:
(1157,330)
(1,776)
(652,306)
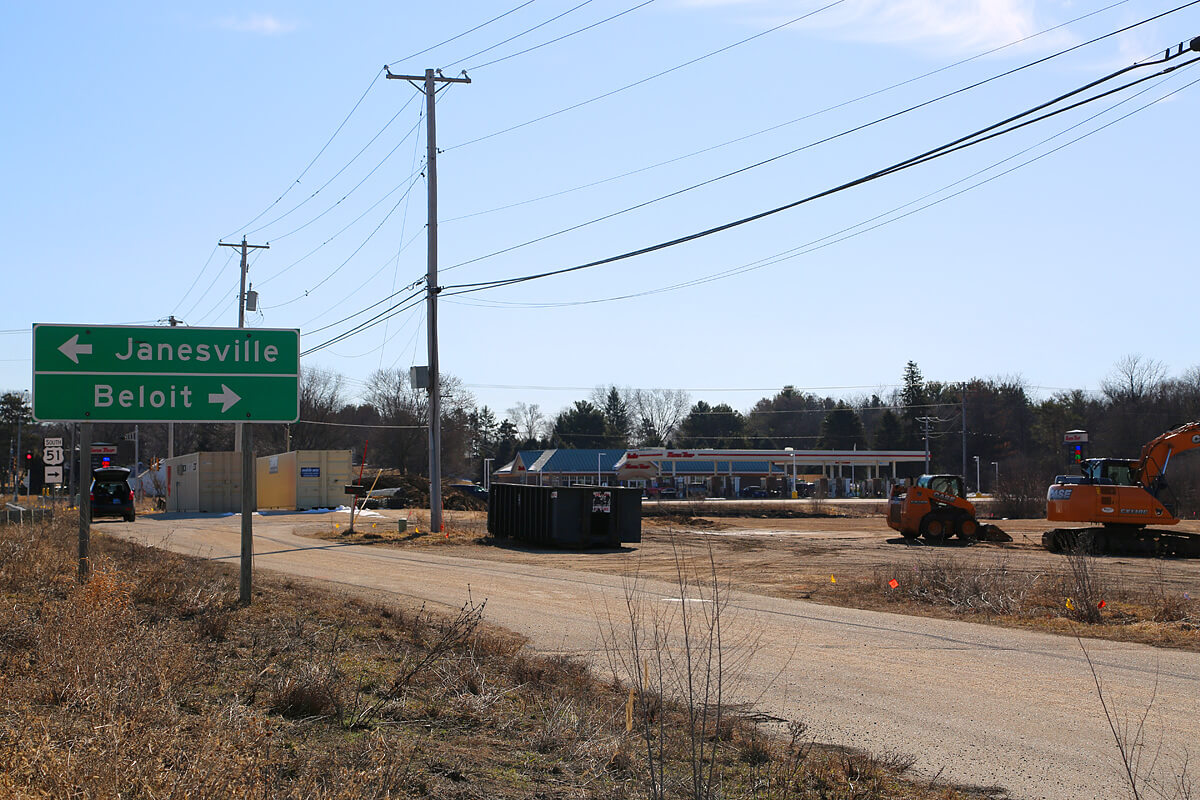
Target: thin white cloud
(261,24)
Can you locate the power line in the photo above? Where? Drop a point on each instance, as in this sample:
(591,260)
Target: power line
(394,310)
(363,285)
(211,286)
(977,137)
(517,36)
(814,114)
(358,425)
(628,86)
(335,176)
(836,237)
(199,275)
(771,159)
(459,36)
(304,172)
(412,181)
(558,39)
(781,256)
(349,317)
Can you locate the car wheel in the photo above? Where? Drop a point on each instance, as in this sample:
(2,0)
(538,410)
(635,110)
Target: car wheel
(129,517)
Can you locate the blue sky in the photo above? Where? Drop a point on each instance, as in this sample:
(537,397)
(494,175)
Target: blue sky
(139,135)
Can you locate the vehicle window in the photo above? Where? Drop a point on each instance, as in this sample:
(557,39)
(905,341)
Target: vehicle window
(1118,474)
(946,485)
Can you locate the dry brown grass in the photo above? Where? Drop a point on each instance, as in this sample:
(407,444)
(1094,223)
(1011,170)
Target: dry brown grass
(150,681)
(1081,590)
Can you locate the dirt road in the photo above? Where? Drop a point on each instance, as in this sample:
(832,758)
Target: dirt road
(978,705)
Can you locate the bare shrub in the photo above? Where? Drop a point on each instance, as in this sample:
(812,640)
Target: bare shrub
(306,690)
(677,657)
(964,585)
(1083,588)
(1146,770)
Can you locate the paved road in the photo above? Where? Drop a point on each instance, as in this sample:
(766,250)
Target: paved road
(980,705)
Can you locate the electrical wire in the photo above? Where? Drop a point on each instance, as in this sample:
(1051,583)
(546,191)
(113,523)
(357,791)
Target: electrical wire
(464,33)
(335,176)
(970,140)
(412,181)
(803,118)
(780,156)
(944,149)
(199,275)
(655,76)
(393,311)
(517,36)
(403,246)
(379,347)
(413,285)
(211,286)
(829,240)
(304,172)
(558,39)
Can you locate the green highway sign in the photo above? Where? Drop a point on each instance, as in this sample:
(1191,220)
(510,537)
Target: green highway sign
(108,373)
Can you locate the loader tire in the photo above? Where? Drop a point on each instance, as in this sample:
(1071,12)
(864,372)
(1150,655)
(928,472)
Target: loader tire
(967,529)
(935,528)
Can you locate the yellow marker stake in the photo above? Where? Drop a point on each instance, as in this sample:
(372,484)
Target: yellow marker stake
(629,712)
(832,579)
(1070,605)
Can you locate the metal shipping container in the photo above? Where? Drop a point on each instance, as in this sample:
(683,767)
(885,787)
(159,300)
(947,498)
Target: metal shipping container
(303,479)
(207,482)
(565,516)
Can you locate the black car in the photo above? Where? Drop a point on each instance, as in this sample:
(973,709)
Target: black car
(111,495)
(756,492)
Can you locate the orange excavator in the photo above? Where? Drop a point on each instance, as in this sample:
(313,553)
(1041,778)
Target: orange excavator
(1122,496)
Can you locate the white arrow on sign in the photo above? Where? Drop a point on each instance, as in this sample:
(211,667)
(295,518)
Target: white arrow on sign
(226,398)
(72,349)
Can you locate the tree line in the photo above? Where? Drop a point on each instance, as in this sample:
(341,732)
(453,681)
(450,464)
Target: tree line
(1013,435)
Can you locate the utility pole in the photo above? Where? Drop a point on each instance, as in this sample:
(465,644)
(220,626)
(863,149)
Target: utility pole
(244,442)
(926,424)
(237,426)
(428,86)
(964,436)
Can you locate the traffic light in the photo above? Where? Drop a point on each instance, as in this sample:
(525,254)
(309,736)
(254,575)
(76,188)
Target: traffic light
(1078,453)
(28,459)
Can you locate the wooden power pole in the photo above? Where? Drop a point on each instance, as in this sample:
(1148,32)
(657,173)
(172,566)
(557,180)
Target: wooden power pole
(428,85)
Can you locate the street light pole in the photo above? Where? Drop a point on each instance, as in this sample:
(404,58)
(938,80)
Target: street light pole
(977,489)
(996,464)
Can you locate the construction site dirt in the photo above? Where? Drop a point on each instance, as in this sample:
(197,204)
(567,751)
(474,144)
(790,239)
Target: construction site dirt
(844,554)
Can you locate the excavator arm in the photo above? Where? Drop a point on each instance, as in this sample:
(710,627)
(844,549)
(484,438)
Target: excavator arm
(1158,452)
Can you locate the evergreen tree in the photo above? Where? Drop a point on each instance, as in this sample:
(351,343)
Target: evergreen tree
(890,433)
(842,430)
(581,426)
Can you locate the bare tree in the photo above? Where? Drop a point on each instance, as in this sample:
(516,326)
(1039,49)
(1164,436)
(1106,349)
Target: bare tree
(1134,379)
(529,419)
(659,412)
(321,398)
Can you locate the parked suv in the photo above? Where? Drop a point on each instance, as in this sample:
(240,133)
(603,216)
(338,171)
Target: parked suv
(111,495)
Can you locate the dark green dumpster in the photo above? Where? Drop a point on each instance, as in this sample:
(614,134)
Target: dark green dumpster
(565,516)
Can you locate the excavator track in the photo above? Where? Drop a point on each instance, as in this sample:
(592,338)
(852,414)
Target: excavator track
(1122,541)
